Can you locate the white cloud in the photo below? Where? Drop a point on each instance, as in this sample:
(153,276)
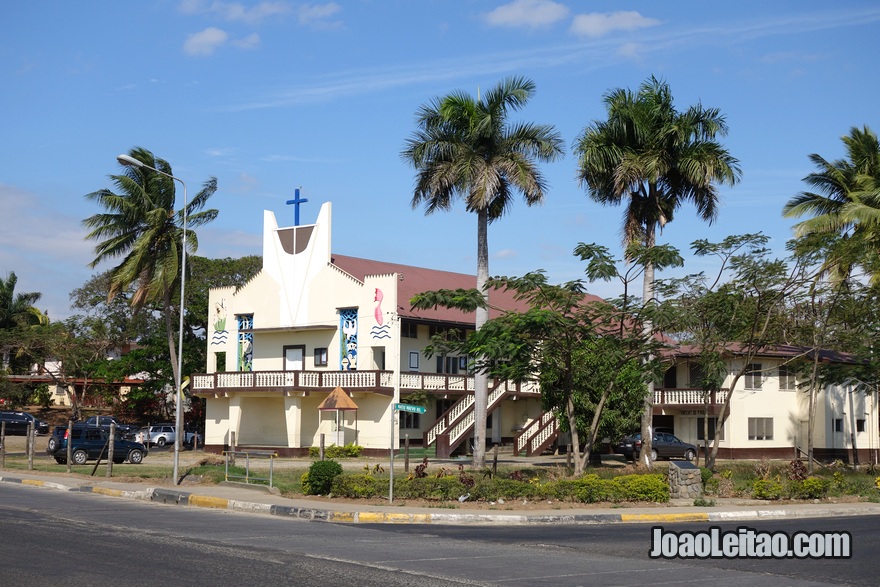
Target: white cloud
(597,24)
(235,11)
(527,13)
(249,42)
(205,42)
(506,254)
(315,13)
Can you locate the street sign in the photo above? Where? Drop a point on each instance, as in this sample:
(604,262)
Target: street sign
(409,408)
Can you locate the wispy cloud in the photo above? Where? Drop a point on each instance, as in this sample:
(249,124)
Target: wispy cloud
(527,14)
(205,42)
(318,14)
(235,11)
(585,55)
(599,24)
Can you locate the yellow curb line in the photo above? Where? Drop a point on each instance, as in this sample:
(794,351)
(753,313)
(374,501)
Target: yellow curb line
(694,517)
(207,501)
(32,482)
(392,518)
(107,491)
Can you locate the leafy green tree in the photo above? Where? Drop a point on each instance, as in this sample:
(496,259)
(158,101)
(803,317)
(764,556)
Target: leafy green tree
(737,313)
(142,227)
(845,203)
(654,158)
(583,350)
(17,312)
(467,148)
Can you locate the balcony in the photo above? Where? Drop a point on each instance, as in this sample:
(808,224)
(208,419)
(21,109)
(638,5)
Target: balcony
(382,382)
(691,397)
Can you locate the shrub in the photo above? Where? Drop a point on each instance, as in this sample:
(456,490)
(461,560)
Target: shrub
(319,479)
(705,475)
(767,489)
(358,486)
(651,487)
(809,488)
(500,488)
(440,488)
(592,488)
(336,452)
(797,471)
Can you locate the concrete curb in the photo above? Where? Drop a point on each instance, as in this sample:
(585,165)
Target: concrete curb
(182,498)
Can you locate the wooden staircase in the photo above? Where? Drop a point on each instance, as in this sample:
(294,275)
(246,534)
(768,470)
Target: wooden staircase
(537,436)
(458,421)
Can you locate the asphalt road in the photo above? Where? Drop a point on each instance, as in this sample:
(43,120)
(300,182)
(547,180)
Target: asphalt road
(52,537)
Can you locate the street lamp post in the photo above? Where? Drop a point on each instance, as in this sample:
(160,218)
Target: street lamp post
(178,435)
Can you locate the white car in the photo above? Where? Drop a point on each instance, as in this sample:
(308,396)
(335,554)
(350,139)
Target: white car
(162,434)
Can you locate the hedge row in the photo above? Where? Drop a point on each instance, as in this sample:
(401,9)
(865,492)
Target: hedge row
(587,489)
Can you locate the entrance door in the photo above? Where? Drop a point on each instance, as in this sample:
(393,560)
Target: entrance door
(293,358)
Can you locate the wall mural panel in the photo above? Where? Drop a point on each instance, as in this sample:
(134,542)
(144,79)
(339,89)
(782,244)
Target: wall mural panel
(348,324)
(245,342)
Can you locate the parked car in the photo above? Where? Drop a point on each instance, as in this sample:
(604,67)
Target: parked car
(124,429)
(632,443)
(90,443)
(17,423)
(663,446)
(162,434)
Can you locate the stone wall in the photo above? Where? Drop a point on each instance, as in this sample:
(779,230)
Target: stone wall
(685,481)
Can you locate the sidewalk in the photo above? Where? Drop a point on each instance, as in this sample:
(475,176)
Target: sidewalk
(254,499)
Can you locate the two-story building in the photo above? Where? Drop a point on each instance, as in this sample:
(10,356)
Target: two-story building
(319,345)
(769,409)
(325,346)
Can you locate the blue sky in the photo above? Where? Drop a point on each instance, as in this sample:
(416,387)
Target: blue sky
(269,96)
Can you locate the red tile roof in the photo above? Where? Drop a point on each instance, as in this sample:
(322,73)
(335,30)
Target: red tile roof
(415,280)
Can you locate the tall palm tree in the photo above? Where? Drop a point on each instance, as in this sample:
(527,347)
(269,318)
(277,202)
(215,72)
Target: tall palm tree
(845,204)
(142,227)
(17,311)
(466,148)
(654,158)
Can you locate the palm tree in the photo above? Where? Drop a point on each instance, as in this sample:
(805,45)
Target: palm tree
(17,311)
(846,204)
(142,227)
(465,147)
(652,157)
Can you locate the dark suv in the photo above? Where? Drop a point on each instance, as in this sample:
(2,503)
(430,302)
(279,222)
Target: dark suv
(90,443)
(124,429)
(17,423)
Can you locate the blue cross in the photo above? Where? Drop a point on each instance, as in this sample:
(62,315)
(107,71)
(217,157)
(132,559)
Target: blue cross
(296,201)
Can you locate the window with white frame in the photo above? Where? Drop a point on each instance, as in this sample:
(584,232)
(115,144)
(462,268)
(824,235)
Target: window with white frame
(753,376)
(787,380)
(760,428)
(413,361)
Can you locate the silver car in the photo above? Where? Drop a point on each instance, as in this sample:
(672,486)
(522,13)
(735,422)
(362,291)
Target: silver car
(157,434)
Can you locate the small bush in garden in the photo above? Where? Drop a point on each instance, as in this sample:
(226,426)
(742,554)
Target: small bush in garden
(762,468)
(711,485)
(652,487)
(797,471)
(767,489)
(319,479)
(500,488)
(336,452)
(359,486)
(592,488)
(439,488)
(705,475)
(809,488)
